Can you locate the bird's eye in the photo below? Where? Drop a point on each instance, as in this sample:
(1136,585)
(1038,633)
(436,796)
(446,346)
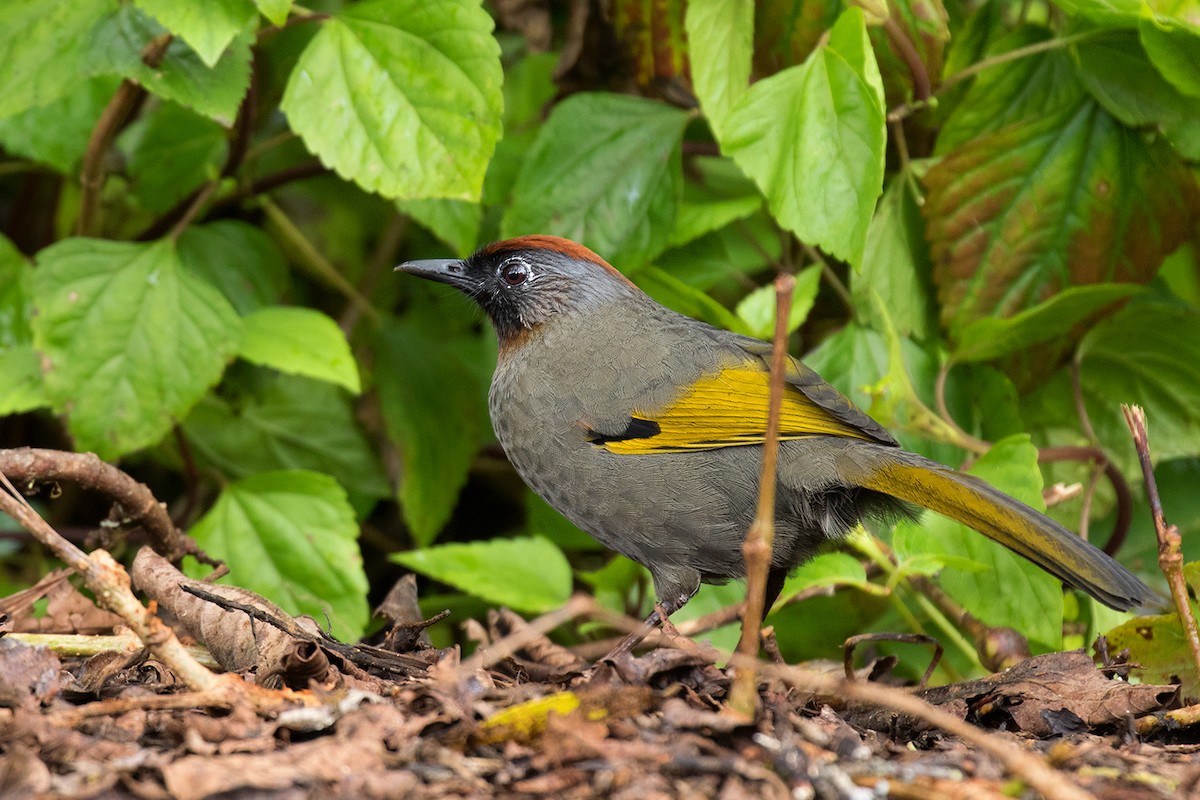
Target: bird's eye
(515,271)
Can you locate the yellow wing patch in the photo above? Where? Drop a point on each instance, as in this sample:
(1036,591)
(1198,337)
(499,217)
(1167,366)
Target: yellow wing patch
(729,409)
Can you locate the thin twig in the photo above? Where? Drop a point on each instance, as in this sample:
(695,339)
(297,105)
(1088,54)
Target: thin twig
(967,441)
(761,538)
(1030,768)
(110,584)
(114,117)
(906,109)
(28,465)
(907,51)
(1121,493)
(1170,553)
(496,652)
(314,262)
(831,277)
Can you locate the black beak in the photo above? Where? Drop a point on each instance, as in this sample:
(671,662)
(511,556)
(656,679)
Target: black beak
(442,270)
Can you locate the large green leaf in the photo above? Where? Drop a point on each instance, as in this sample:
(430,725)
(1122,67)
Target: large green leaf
(43,47)
(716,194)
(896,263)
(527,574)
(291,537)
(433,408)
(1119,74)
(299,341)
(1035,86)
(131,339)
(812,137)
(1175,52)
(57,133)
(720,44)
(401,96)
(1012,591)
(208,27)
(1148,354)
(237,258)
(604,171)
(1048,202)
(22,388)
(286,422)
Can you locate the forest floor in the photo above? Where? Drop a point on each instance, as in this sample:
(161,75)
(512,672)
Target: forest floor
(524,717)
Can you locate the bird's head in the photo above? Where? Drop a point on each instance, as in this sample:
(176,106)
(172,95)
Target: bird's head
(526,282)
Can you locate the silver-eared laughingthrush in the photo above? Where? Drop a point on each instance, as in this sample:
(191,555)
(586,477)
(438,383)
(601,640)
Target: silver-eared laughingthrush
(645,428)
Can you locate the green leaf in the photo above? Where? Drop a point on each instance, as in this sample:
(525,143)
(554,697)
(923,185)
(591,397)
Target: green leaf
(215,92)
(275,10)
(174,153)
(757,309)
(57,133)
(455,222)
(285,422)
(989,338)
(528,89)
(208,27)
(401,96)
(896,262)
(16,295)
(131,339)
(1175,52)
(716,194)
(299,341)
(827,569)
(1065,199)
(1012,591)
(1159,645)
(1118,73)
(434,410)
(678,296)
(43,47)
(22,388)
(812,137)
(237,258)
(605,171)
(1027,88)
(720,37)
(291,537)
(526,574)
(1147,354)
(727,255)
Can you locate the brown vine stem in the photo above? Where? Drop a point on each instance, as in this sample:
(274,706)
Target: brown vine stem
(118,111)
(138,504)
(743,697)
(1170,553)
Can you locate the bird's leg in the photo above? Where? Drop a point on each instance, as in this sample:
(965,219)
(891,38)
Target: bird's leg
(662,612)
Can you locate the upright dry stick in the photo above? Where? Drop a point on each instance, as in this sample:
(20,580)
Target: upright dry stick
(743,698)
(1170,553)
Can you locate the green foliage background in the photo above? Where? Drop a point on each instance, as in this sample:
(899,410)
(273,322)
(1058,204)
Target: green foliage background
(992,208)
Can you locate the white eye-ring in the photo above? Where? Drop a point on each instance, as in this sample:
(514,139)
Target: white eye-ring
(515,271)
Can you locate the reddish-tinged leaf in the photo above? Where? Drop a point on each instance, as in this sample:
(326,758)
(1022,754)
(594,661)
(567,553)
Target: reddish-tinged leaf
(787,31)
(1048,202)
(653,32)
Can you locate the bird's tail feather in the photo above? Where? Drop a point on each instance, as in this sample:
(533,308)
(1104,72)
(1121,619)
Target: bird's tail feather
(1018,527)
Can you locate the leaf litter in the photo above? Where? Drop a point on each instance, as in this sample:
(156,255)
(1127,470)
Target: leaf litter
(534,720)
